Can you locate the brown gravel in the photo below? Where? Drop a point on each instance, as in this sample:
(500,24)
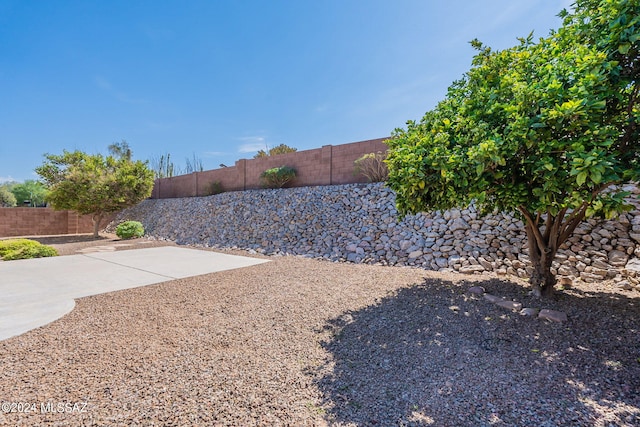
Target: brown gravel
(304,342)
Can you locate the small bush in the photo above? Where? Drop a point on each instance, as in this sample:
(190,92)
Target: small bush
(277,177)
(372,166)
(129,230)
(215,188)
(13,249)
(7,198)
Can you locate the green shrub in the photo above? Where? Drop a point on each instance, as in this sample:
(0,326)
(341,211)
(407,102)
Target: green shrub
(372,166)
(277,177)
(7,199)
(13,249)
(215,188)
(129,230)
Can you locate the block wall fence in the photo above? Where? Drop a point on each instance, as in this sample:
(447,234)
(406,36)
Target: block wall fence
(328,165)
(42,222)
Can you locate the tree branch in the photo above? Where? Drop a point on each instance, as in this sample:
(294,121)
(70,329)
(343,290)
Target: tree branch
(534,225)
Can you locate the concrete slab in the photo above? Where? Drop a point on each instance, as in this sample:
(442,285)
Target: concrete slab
(38,291)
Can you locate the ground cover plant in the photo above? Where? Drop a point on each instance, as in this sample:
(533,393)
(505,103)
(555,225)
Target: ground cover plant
(12,249)
(130,230)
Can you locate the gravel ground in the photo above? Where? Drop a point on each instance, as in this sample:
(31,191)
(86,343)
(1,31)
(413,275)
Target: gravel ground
(302,342)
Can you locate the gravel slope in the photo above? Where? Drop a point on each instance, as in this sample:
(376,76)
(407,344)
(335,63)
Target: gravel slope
(304,342)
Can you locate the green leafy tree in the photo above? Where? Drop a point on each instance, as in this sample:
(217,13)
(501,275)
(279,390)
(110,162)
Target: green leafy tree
(120,150)
(7,199)
(547,130)
(33,191)
(278,149)
(95,185)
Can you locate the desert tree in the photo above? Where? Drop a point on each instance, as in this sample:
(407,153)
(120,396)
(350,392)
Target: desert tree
(546,129)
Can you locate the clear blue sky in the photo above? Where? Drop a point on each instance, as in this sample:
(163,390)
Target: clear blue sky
(220,79)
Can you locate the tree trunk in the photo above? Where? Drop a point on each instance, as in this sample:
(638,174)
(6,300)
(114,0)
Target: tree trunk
(96,218)
(542,280)
(544,245)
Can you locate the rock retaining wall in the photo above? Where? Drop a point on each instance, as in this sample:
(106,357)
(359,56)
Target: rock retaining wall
(358,223)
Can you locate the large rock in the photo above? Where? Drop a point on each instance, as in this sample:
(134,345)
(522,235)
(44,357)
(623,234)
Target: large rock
(633,265)
(510,305)
(458,224)
(470,269)
(618,258)
(552,315)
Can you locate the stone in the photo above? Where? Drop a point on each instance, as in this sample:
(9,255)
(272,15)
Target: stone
(476,290)
(501,272)
(458,224)
(600,263)
(442,262)
(509,305)
(517,264)
(415,254)
(633,265)
(351,247)
(529,312)
(618,258)
(564,270)
(485,264)
(552,315)
(492,298)
(590,278)
(624,284)
(566,282)
(470,269)
(405,244)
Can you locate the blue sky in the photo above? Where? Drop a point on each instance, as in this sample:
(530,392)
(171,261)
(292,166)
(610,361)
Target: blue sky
(221,79)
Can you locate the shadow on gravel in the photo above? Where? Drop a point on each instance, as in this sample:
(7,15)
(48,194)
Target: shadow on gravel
(434,355)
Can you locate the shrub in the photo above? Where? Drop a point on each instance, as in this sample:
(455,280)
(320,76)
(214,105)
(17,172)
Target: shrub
(372,166)
(13,249)
(277,177)
(7,198)
(129,230)
(215,188)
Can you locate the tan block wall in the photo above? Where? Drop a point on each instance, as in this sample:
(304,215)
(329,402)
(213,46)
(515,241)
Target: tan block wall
(331,164)
(43,221)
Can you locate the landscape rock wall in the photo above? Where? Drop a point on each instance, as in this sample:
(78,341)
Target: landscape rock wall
(358,223)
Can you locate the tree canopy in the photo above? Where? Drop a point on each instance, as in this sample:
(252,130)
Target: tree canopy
(7,199)
(93,184)
(30,190)
(545,129)
(278,149)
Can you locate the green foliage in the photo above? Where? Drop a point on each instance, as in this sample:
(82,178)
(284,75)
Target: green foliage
(372,166)
(120,150)
(163,167)
(278,177)
(7,198)
(278,149)
(542,129)
(93,184)
(129,230)
(193,165)
(215,188)
(13,249)
(33,191)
